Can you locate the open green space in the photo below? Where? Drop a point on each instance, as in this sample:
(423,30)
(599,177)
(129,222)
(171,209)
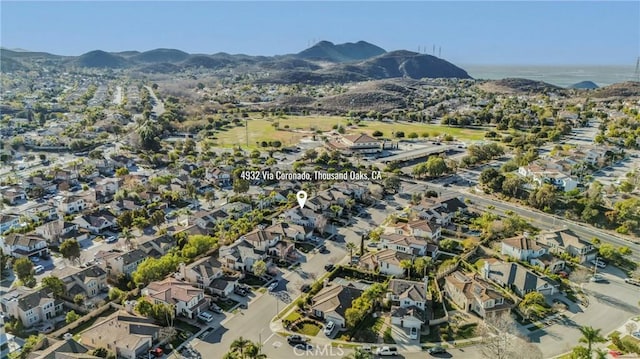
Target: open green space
(292,128)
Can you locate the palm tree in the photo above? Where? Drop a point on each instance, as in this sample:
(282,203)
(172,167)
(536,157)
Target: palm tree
(350,246)
(601,354)
(126,233)
(253,351)
(590,336)
(240,345)
(406,264)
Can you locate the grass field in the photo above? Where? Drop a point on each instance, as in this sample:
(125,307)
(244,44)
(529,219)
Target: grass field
(302,126)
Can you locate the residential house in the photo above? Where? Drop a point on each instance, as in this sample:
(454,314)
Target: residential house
(128,335)
(31,306)
(518,278)
(440,210)
(8,221)
(406,293)
(55,232)
(421,228)
(23,245)
(44,212)
(201,272)
(241,256)
(526,249)
(96,222)
(219,176)
(70,204)
(124,263)
(332,302)
(409,317)
(306,218)
(13,194)
(88,282)
(565,241)
(158,246)
(187,300)
(223,286)
(291,231)
(63,349)
(540,174)
(408,244)
(386,261)
(474,295)
(356,191)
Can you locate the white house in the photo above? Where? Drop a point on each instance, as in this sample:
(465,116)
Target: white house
(387,261)
(188,300)
(23,245)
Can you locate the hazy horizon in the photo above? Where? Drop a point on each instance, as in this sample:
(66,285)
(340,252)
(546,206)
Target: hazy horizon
(514,33)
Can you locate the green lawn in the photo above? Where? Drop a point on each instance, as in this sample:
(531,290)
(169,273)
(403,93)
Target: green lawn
(309,329)
(466,331)
(226,304)
(263,130)
(293,316)
(387,338)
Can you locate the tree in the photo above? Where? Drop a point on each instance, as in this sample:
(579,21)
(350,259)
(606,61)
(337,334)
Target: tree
(100,352)
(391,183)
(590,336)
(499,340)
(55,284)
(259,268)
(492,179)
(240,345)
(533,305)
(406,264)
(421,265)
(448,244)
(79,299)
(29,344)
(23,269)
(71,317)
(70,249)
(359,354)
(543,197)
(350,247)
(436,166)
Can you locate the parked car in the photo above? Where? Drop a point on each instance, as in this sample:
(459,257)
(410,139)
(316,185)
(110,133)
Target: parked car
(305,288)
(214,308)
(413,333)
(328,329)
(596,278)
(636,334)
(205,317)
(386,351)
(329,267)
(111,239)
(273,286)
(38,269)
(241,291)
(296,339)
(35,259)
(599,263)
(436,350)
(632,281)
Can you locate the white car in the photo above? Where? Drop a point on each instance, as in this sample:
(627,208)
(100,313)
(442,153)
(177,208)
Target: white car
(205,317)
(111,239)
(38,269)
(413,333)
(328,329)
(34,259)
(387,351)
(273,286)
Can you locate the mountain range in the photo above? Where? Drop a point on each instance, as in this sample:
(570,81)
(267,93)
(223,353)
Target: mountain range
(320,63)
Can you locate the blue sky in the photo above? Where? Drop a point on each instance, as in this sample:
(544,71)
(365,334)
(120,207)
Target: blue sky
(468,32)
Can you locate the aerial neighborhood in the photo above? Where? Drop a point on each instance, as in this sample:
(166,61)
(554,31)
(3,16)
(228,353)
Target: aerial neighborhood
(161,215)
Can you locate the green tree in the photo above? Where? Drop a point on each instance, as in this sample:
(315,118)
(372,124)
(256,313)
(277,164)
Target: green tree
(406,264)
(259,268)
(240,345)
(55,284)
(421,265)
(23,269)
(448,244)
(436,166)
(590,336)
(71,317)
(491,179)
(79,299)
(70,249)
(391,183)
(100,352)
(350,247)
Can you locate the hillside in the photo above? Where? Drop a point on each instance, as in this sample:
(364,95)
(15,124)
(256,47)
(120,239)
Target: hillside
(518,85)
(162,55)
(584,85)
(412,65)
(328,51)
(100,59)
(624,89)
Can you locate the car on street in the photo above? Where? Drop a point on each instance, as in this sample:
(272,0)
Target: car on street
(305,288)
(436,350)
(328,329)
(599,263)
(329,267)
(111,239)
(205,317)
(273,286)
(296,339)
(387,351)
(597,278)
(38,269)
(632,281)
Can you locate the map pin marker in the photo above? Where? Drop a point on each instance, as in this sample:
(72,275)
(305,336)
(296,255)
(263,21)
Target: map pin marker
(302,198)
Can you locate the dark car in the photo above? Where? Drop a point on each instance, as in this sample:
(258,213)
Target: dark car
(296,340)
(305,288)
(329,267)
